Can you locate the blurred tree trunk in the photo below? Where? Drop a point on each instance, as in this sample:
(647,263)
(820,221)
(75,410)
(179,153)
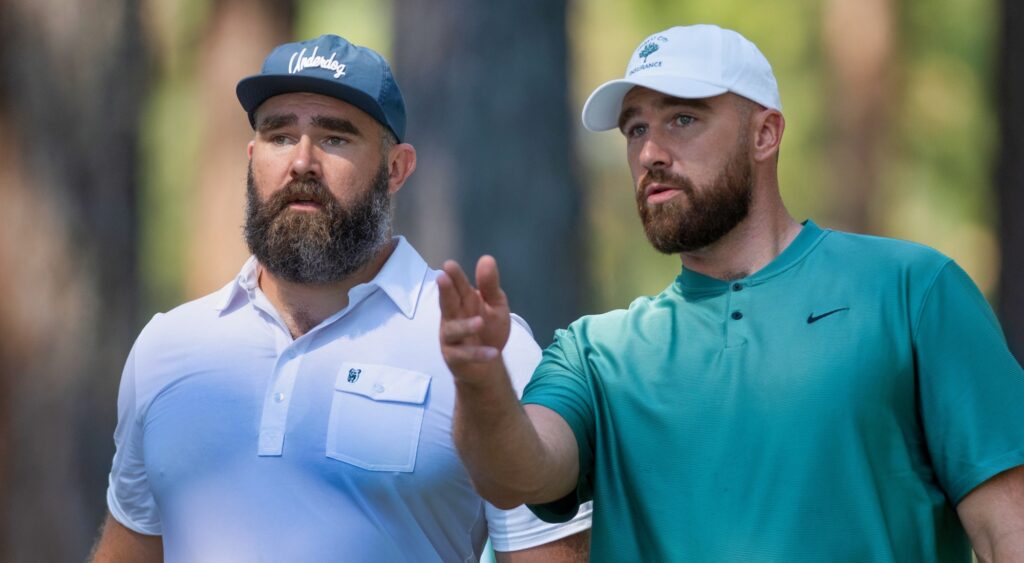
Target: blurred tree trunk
(486,85)
(859,38)
(239,35)
(1010,173)
(69,111)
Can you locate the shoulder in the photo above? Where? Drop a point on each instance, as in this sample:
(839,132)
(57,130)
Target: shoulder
(613,332)
(617,323)
(885,270)
(183,320)
(876,252)
(174,341)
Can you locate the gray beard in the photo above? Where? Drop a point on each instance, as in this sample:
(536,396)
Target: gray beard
(320,247)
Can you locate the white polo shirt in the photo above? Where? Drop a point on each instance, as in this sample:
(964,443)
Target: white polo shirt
(237,443)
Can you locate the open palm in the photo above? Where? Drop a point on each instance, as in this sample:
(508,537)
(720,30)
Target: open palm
(475,322)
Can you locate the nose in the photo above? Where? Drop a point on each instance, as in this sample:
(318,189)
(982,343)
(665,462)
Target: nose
(653,153)
(305,161)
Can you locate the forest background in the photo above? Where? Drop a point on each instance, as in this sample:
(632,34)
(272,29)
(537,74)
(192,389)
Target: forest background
(122,171)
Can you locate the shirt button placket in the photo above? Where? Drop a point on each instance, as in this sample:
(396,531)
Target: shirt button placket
(736,326)
(278,398)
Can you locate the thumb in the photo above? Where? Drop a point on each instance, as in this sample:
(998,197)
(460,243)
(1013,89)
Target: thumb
(488,281)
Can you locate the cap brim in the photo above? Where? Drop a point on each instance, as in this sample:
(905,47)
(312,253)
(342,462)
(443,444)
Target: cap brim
(255,90)
(601,111)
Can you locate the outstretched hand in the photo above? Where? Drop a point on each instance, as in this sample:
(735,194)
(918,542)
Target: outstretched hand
(475,322)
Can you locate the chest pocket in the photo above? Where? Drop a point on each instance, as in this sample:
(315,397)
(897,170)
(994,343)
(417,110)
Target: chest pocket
(376,415)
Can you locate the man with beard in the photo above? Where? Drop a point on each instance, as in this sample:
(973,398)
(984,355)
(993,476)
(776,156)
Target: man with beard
(796,394)
(303,412)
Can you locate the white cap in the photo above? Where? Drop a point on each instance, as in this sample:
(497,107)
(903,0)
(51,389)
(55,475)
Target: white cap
(697,61)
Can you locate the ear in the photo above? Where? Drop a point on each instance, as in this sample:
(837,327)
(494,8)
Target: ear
(248,149)
(768,125)
(401,164)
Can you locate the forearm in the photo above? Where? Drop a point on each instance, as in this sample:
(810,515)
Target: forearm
(570,549)
(119,544)
(1008,548)
(512,456)
(993,515)
(1001,542)
(507,458)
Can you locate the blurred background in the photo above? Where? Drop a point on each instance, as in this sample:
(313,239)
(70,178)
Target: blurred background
(122,166)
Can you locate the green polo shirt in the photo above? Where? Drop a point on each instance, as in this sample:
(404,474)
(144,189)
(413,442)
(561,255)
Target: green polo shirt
(834,406)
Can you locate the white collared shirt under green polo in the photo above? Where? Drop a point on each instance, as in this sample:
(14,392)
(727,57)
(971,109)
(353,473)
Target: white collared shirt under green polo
(834,406)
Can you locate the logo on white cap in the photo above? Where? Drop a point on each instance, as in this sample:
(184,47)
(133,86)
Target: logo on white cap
(299,62)
(646,49)
(697,61)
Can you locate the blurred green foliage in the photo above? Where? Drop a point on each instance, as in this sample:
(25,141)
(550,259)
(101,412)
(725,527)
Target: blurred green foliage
(364,22)
(937,176)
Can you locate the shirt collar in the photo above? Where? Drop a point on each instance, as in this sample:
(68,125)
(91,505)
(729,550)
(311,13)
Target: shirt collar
(692,283)
(401,279)
(247,280)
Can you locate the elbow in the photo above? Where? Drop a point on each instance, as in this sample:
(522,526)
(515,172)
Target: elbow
(501,497)
(505,503)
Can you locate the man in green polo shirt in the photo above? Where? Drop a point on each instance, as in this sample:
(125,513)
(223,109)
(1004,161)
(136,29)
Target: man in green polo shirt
(795,394)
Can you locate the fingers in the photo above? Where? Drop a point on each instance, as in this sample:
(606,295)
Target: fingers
(459,345)
(454,331)
(449,298)
(489,281)
(473,330)
(469,354)
(458,298)
(459,280)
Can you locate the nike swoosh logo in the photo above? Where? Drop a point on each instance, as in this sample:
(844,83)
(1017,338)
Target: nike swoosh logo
(812,319)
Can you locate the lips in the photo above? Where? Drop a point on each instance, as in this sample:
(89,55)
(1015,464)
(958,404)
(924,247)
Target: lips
(659,193)
(302,197)
(304,204)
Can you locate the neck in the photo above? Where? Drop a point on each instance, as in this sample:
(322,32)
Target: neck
(303,306)
(751,245)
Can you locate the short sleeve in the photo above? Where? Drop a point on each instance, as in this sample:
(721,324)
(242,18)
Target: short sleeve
(971,387)
(560,383)
(518,528)
(521,354)
(128,495)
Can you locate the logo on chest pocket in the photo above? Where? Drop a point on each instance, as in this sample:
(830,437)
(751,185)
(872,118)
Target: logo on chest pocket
(353,375)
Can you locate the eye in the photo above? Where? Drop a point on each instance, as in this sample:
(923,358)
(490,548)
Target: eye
(683,120)
(334,141)
(634,131)
(279,140)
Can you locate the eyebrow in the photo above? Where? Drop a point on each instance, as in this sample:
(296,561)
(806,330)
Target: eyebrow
(626,115)
(335,124)
(276,121)
(662,103)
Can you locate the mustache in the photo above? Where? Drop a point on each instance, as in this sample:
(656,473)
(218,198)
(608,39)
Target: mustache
(660,176)
(300,190)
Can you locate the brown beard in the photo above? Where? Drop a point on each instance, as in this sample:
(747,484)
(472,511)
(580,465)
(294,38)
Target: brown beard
(320,247)
(706,215)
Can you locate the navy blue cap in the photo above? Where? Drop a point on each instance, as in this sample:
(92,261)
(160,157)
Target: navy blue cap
(331,66)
